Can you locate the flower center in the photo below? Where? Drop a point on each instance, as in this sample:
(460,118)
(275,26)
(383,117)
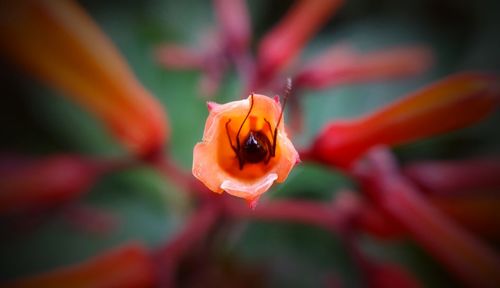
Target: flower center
(256,148)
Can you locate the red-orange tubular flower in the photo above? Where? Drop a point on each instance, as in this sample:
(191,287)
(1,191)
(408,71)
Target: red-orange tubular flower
(60,44)
(286,40)
(127,266)
(222,167)
(453,103)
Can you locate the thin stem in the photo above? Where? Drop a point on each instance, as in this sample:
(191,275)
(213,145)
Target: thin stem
(300,211)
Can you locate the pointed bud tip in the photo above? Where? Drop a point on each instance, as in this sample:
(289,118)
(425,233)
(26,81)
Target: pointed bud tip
(298,160)
(212,105)
(252,202)
(276,99)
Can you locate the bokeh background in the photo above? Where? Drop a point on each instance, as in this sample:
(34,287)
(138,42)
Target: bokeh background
(34,120)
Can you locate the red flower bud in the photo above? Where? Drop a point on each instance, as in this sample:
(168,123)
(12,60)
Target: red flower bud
(30,185)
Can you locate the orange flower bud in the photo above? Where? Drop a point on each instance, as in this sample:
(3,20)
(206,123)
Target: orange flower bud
(60,44)
(280,45)
(450,104)
(127,266)
(218,163)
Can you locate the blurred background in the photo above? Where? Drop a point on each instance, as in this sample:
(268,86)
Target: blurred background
(140,203)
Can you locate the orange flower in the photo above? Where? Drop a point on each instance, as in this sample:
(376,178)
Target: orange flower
(57,42)
(217,162)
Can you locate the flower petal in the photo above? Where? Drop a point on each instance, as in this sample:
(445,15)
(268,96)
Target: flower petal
(249,190)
